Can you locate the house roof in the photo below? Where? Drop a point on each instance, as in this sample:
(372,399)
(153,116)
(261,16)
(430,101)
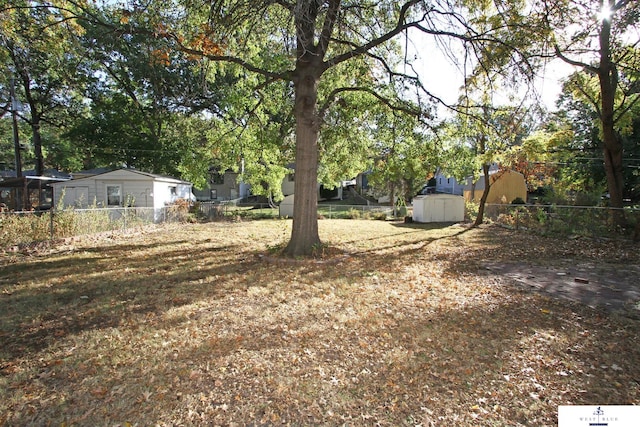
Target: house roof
(155,177)
(90,172)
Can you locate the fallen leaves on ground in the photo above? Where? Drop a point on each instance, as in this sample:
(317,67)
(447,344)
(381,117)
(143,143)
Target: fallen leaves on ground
(191,325)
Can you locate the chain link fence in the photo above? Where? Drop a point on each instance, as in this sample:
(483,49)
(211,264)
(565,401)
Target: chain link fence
(589,221)
(19,228)
(213,211)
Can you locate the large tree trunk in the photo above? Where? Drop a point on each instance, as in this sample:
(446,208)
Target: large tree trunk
(485,195)
(615,182)
(304,235)
(613,153)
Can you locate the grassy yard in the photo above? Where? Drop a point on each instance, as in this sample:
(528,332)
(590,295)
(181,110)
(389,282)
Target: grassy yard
(201,324)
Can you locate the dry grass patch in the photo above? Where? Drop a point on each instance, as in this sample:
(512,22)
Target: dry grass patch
(188,325)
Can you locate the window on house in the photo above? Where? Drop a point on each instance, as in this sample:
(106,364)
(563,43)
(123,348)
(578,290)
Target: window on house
(291,177)
(214,194)
(114,195)
(173,190)
(448,180)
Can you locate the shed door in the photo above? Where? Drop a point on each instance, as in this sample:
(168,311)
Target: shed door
(448,210)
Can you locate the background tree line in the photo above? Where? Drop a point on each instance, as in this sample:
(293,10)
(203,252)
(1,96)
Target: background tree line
(176,88)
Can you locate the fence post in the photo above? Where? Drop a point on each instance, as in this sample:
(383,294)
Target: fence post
(124,223)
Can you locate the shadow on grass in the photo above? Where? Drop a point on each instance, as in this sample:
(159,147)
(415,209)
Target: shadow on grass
(412,234)
(49,299)
(307,344)
(458,363)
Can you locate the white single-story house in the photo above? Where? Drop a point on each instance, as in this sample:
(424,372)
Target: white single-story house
(122,187)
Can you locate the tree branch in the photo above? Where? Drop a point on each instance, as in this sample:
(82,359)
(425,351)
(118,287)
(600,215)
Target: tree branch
(272,76)
(327,28)
(399,28)
(589,68)
(620,113)
(334,94)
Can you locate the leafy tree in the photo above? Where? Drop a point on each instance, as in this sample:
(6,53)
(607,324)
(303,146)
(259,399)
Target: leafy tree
(319,37)
(304,45)
(140,93)
(488,133)
(40,50)
(580,150)
(532,159)
(255,136)
(599,37)
(406,155)
(7,158)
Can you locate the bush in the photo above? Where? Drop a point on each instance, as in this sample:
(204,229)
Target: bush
(549,196)
(376,215)
(179,211)
(471,210)
(353,213)
(16,229)
(593,198)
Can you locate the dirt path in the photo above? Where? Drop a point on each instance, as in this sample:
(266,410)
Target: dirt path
(613,288)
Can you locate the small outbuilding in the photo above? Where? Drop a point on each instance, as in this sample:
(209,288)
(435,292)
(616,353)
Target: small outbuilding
(438,208)
(286,207)
(123,187)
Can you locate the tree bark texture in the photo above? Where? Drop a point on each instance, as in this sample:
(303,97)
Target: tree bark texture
(34,122)
(309,67)
(485,195)
(304,234)
(37,144)
(612,145)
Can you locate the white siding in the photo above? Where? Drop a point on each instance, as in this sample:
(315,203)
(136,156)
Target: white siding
(288,184)
(138,188)
(161,194)
(438,208)
(74,196)
(184,191)
(286,207)
(133,190)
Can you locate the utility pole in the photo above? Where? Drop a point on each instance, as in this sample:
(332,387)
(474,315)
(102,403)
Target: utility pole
(16,137)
